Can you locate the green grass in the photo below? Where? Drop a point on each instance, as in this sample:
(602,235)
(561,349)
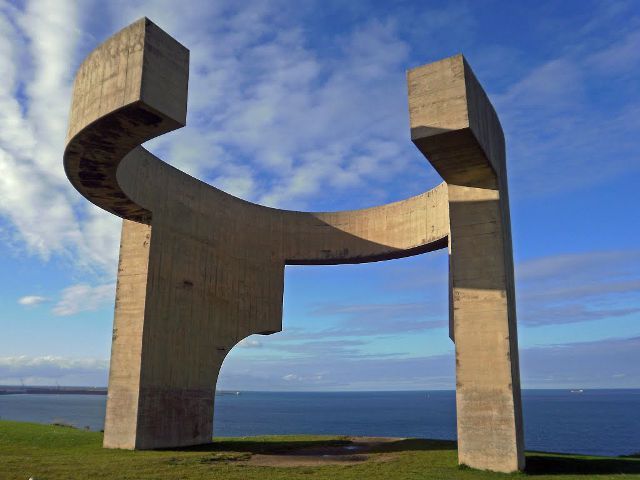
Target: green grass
(47,452)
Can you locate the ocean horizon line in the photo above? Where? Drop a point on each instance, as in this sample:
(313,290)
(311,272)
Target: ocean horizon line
(8,389)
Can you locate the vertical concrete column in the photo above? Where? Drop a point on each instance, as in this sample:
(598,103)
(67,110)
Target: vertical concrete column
(168,346)
(184,299)
(456,128)
(181,353)
(121,420)
(487,376)
(164,361)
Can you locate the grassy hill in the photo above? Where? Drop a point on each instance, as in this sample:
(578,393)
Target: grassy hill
(47,452)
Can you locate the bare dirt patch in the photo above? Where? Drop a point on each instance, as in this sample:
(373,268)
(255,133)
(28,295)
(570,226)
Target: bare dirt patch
(360,449)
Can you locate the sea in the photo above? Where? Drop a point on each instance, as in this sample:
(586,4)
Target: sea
(594,422)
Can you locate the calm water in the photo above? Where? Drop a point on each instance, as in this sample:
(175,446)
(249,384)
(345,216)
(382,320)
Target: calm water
(602,422)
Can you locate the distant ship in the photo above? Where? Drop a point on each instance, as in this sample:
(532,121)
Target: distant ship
(224,392)
(577,391)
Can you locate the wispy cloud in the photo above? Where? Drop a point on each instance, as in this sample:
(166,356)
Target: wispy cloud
(250,343)
(32,300)
(338,373)
(280,116)
(318,347)
(38,50)
(611,263)
(276,118)
(48,370)
(575,288)
(611,362)
(536,316)
(272,117)
(551,290)
(620,57)
(83,298)
(554,126)
(379,318)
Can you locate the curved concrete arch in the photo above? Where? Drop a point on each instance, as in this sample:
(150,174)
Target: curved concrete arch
(416,225)
(200,269)
(112,115)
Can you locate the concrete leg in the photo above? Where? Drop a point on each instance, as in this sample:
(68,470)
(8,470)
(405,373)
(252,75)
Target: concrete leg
(174,325)
(487,375)
(121,420)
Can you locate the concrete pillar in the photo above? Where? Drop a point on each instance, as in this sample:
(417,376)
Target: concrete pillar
(180,308)
(455,126)
(487,377)
(164,361)
(121,420)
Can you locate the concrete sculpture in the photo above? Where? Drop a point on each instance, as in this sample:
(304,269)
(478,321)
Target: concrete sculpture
(200,269)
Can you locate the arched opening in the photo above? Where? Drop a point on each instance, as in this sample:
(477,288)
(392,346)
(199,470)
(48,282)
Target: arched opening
(364,350)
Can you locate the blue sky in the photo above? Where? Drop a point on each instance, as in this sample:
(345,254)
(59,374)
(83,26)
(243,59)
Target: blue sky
(303,105)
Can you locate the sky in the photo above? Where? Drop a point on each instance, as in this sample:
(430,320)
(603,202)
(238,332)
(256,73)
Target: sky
(303,105)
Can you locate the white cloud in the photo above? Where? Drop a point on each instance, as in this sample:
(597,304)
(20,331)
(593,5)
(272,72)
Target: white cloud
(31,300)
(618,57)
(375,319)
(270,118)
(273,120)
(250,343)
(47,370)
(579,287)
(62,363)
(557,128)
(606,363)
(83,298)
(611,362)
(38,47)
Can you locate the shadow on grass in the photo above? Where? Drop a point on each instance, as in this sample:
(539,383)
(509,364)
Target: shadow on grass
(414,445)
(550,464)
(260,446)
(266,447)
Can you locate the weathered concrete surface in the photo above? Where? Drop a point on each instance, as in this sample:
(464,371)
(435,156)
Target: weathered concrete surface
(200,269)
